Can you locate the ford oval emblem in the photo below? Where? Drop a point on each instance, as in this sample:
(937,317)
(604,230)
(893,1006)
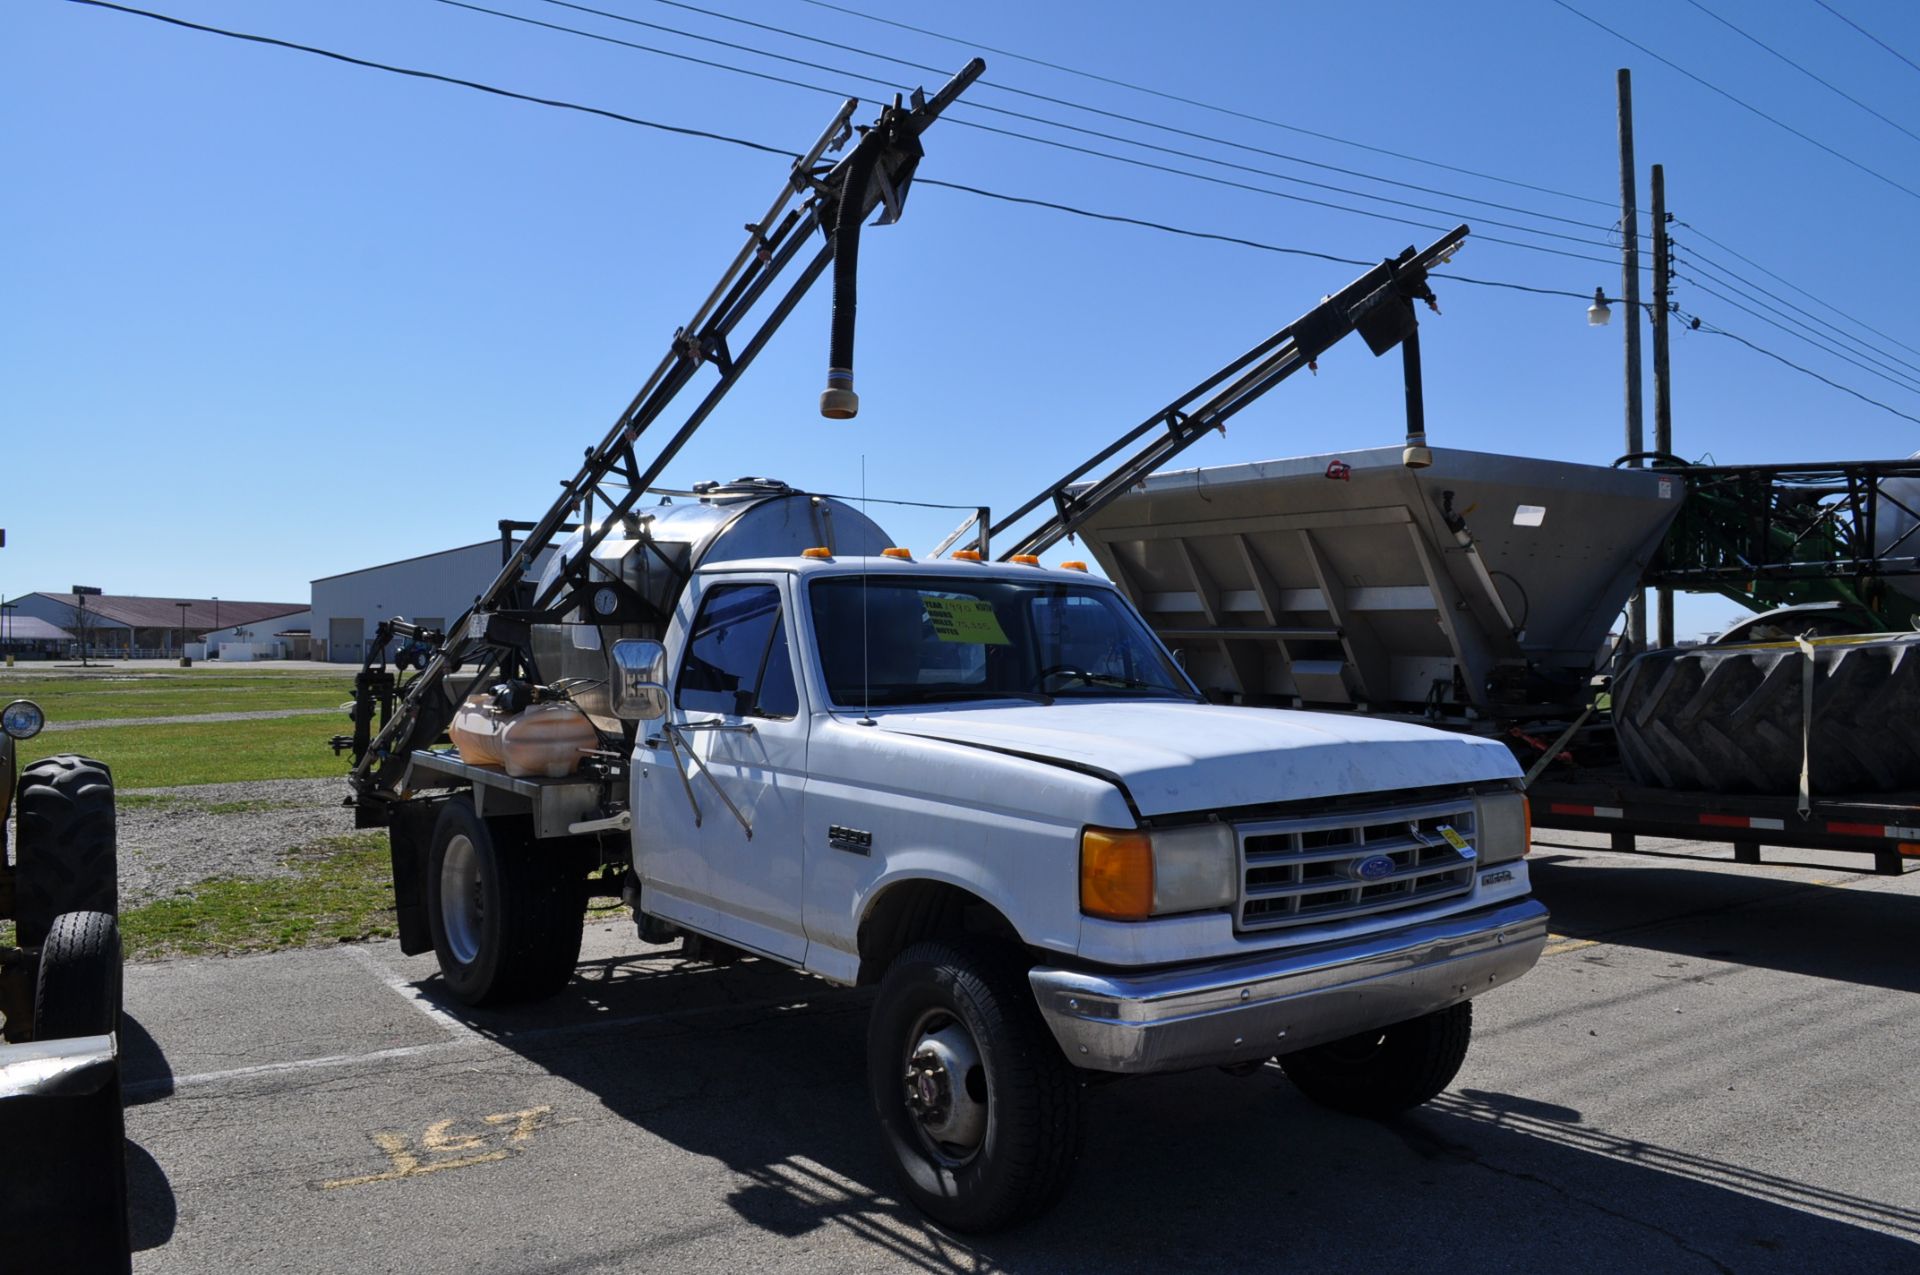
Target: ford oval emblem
(1373,867)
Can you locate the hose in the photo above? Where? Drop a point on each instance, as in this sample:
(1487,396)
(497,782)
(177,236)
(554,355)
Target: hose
(838,401)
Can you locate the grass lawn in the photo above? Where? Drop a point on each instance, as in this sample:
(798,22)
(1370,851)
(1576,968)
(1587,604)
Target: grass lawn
(343,893)
(203,752)
(174,693)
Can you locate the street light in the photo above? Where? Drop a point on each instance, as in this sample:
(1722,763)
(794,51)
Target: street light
(186,661)
(1598,313)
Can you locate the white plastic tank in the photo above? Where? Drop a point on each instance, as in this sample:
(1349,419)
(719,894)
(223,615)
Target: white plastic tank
(1893,522)
(653,555)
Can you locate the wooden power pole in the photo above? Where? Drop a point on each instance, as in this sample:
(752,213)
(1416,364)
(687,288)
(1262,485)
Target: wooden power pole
(1662,385)
(1630,294)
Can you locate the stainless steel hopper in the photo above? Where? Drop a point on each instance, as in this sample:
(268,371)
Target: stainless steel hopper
(1482,583)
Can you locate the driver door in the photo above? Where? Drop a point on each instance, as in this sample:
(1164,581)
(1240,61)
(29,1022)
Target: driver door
(719,783)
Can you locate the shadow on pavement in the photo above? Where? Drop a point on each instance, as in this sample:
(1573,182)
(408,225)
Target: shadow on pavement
(1825,931)
(151,1210)
(145,1074)
(762,1070)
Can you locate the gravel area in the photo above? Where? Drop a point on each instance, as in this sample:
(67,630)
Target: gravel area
(172,838)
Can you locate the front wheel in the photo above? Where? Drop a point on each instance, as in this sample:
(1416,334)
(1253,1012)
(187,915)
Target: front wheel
(77,989)
(1380,1073)
(981,1112)
(506,912)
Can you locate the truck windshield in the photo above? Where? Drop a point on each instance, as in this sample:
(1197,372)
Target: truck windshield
(934,639)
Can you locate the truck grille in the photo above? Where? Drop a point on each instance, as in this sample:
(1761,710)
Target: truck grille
(1300,871)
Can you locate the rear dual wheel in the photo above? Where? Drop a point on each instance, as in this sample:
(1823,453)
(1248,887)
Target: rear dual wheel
(506,912)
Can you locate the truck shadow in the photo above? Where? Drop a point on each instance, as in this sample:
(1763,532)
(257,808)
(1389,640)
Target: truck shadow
(763,1071)
(146,1076)
(1824,931)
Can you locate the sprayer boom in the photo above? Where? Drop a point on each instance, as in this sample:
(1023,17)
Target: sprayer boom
(1378,305)
(494,634)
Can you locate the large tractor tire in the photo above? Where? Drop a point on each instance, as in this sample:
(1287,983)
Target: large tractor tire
(1728,718)
(65,857)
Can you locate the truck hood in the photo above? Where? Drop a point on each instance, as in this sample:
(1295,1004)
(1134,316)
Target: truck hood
(1173,758)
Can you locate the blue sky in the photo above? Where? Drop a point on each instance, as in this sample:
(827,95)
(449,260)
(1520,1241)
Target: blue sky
(271,317)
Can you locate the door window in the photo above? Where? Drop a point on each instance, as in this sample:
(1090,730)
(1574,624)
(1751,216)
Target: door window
(737,662)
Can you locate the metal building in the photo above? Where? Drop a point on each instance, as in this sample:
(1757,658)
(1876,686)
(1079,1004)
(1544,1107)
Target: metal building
(433,589)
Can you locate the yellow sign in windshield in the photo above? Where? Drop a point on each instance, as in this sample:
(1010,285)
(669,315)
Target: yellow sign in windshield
(964,620)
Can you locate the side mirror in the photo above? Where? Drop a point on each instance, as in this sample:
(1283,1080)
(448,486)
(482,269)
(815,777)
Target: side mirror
(639,679)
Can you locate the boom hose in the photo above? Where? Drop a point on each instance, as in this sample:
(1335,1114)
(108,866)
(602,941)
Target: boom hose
(838,401)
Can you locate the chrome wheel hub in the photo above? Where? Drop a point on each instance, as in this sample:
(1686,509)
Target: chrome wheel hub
(946,1087)
(461,912)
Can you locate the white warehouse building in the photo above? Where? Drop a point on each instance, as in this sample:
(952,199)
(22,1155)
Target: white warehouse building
(433,589)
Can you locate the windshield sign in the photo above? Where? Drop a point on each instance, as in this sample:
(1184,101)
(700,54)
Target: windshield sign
(892,640)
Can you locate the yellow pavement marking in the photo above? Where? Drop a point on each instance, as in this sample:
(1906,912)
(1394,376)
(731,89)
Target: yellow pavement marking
(443,1147)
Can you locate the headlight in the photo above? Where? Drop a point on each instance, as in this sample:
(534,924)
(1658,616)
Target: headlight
(22,719)
(1129,874)
(1503,826)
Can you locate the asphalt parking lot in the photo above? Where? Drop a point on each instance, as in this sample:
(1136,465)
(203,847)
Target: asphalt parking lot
(1708,1071)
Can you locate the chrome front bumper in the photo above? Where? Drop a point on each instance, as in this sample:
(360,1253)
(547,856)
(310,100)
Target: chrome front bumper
(1249,1008)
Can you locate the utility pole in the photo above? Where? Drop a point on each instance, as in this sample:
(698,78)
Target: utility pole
(1630,293)
(1662,385)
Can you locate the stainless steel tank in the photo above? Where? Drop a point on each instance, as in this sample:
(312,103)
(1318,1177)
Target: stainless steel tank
(720,522)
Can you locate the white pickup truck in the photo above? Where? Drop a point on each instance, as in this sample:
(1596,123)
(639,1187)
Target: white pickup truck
(989,790)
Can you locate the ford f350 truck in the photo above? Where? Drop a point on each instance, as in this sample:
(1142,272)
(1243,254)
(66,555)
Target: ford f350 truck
(985,788)
(989,790)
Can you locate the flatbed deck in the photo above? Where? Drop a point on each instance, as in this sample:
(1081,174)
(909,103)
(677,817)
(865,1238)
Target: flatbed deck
(1604,799)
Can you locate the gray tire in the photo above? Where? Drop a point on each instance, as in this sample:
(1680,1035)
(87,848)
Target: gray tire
(77,990)
(1728,718)
(65,859)
(1384,1072)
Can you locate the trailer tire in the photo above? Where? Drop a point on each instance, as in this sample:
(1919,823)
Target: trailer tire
(506,913)
(1383,1072)
(76,991)
(1000,1148)
(65,859)
(1728,718)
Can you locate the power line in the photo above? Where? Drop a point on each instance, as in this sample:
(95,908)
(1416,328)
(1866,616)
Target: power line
(1208,106)
(775,150)
(1907,384)
(1796,287)
(1807,371)
(1870,35)
(1057,143)
(1828,84)
(1743,104)
(1719,274)
(1073,105)
(444,79)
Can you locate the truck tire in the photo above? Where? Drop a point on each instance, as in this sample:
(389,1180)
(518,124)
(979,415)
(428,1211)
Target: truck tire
(506,912)
(64,857)
(1728,719)
(77,990)
(1384,1072)
(981,1112)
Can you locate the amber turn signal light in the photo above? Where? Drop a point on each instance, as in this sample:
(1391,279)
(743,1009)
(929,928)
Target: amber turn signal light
(1116,874)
